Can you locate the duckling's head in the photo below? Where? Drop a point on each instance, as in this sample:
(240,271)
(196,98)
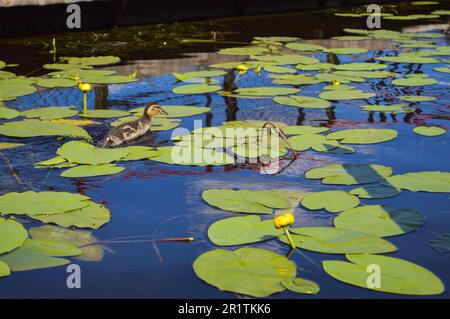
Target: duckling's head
(152,109)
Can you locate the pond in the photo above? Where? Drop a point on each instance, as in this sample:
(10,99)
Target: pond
(152,199)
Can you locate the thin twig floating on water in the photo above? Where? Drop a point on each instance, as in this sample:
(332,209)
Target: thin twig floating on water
(159,240)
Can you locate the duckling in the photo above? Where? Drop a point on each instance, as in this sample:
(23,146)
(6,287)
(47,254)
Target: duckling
(129,131)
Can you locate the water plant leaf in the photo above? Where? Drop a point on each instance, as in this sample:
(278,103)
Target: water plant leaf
(34,128)
(164,124)
(367,74)
(303,129)
(104,114)
(243,51)
(426,181)
(184,111)
(286,59)
(56,83)
(196,89)
(331,240)
(242,230)
(255,150)
(113,79)
(295,79)
(414,82)
(317,142)
(441,243)
(304,46)
(279,69)
(8,114)
(13,91)
(346,50)
(333,201)
(83,74)
(136,153)
(418,98)
(266,91)
(375,191)
(380,220)
(38,203)
(4,269)
(192,156)
(12,235)
(245,201)
(204,73)
(64,66)
(363,136)
(50,112)
(302,101)
(383,108)
(361,66)
(4,146)
(315,67)
(250,271)
(429,130)
(397,276)
(92,170)
(349,174)
(93,60)
(83,153)
(92,216)
(301,286)
(52,248)
(336,95)
(351,38)
(412,59)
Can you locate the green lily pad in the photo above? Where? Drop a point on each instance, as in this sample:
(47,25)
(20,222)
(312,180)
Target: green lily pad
(339,87)
(441,243)
(192,156)
(397,275)
(139,153)
(438,182)
(315,67)
(92,216)
(12,91)
(332,240)
(303,129)
(34,128)
(414,82)
(4,269)
(8,114)
(279,69)
(250,271)
(196,89)
(412,59)
(84,153)
(301,286)
(383,108)
(295,79)
(12,235)
(164,124)
(334,201)
(242,230)
(346,50)
(51,112)
(104,114)
(94,60)
(243,51)
(286,59)
(56,83)
(81,73)
(302,101)
(64,66)
(113,79)
(375,191)
(204,73)
(441,12)
(332,77)
(35,203)
(349,174)
(5,146)
(361,66)
(255,150)
(178,110)
(276,39)
(351,38)
(366,74)
(418,98)
(336,95)
(304,46)
(266,91)
(380,220)
(317,142)
(429,130)
(246,201)
(363,136)
(92,170)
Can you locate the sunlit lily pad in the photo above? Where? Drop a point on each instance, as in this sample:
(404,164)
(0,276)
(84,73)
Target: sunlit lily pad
(286,59)
(429,130)
(12,91)
(418,98)
(336,95)
(295,79)
(242,230)
(380,220)
(303,129)
(279,69)
(438,182)
(246,201)
(4,269)
(366,74)
(64,66)
(346,50)
(414,82)
(413,59)
(196,89)
(82,74)
(441,243)
(302,101)
(84,153)
(351,38)
(8,114)
(5,146)
(56,83)
(255,150)
(315,67)
(94,60)
(136,153)
(383,108)
(113,79)
(331,240)
(361,66)
(12,235)
(363,136)
(301,286)
(317,142)
(334,201)
(375,191)
(38,203)
(250,271)
(349,174)
(397,275)
(33,128)
(104,114)
(304,46)
(266,91)
(92,170)
(50,112)
(192,156)
(243,50)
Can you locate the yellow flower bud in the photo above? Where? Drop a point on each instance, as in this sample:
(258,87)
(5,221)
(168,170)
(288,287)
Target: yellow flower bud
(242,69)
(284,220)
(85,87)
(335,82)
(258,70)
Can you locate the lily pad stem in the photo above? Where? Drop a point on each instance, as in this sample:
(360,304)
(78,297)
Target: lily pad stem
(288,235)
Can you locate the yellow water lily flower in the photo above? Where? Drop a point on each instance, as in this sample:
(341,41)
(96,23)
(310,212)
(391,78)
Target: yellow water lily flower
(335,82)
(85,87)
(242,68)
(284,220)
(258,70)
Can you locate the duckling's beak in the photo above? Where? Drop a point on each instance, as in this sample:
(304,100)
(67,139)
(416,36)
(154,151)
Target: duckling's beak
(163,112)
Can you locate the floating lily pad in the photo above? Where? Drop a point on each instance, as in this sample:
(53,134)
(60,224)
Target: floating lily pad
(334,201)
(383,108)
(349,174)
(429,130)
(303,129)
(84,153)
(279,69)
(33,128)
(104,114)
(35,203)
(243,51)
(332,77)
(276,39)
(204,73)
(315,67)
(242,230)
(441,12)
(92,170)
(380,220)
(397,275)
(91,216)
(317,142)
(192,156)
(246,201)
(363,136)
(266,91)
(414,82)
(438,182)
(196,89)
(412,59)
(301,286)
(375,191)
(12,91)
(302,101)
(12,235)
(64,66)
(51,112)
(441,243)
(295,79)
(5,146)
(351,38)
(255,150)
(83,74)
(346,50)
(139,152)
(56,83)
(336,95)
(332,240)
(286,59)
(304,46)
(113,79)
(8,114)
(94,60)
(249,271)
(361,66)
(419,98)
(367,74)
(4,269)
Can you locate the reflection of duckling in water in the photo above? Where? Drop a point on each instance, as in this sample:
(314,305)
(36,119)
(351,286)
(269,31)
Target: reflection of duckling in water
(129,131)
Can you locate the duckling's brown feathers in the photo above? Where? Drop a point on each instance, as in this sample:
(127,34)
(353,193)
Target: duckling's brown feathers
(126,132)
